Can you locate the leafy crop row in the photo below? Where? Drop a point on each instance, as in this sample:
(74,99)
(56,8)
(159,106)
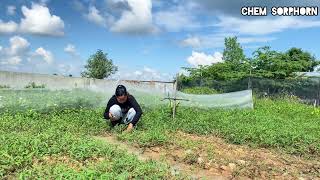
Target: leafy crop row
(59,144)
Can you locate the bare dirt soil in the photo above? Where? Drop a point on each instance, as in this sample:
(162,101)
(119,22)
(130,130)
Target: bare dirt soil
(211,157)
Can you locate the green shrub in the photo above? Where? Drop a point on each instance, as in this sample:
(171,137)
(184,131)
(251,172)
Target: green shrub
(200,90)
(34,85)
(4,86)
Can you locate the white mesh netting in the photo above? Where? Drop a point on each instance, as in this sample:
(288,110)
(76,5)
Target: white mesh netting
(65,91)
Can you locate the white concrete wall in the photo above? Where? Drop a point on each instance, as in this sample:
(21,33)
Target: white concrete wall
(17,80)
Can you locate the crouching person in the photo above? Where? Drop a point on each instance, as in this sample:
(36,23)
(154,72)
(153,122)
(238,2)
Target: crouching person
(122,108)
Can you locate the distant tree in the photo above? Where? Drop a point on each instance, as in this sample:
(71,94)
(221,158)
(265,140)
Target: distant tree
(235,65)
(265,63)
(301,60)
(99,66)
(70,75)
(233,52)
(268,63)
(226,71)
(55,74)
(278,65)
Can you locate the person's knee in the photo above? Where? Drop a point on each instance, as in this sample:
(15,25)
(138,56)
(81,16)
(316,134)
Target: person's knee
(129,116)
(132,112)
(115,111)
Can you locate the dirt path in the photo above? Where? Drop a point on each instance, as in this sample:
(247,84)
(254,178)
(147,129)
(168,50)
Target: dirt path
(212,158)
(163,155)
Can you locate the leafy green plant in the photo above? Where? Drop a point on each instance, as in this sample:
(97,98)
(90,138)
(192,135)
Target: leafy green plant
(4,86)
(200,90)
(316,111)
(34,85)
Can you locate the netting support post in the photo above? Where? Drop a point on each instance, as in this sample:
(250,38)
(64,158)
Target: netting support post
(175,97)
(249,82)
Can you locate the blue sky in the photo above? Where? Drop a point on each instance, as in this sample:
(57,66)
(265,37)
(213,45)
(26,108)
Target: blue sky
(146,39)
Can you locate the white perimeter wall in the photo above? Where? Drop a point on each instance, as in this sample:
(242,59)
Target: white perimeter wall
(17,80)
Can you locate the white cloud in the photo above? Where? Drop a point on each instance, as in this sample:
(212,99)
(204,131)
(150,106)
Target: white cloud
(11,10)
(95,16)
(64,69)
(246,40)
(138,73)
(71,49)
(200,58)
(15,60)
(217,40)
(45,54)
(261,26)
(19,50)
(38,20)
(18,57)
(149,70)
(176,19)
(37,64)
(151,73)
(206,41)
(8,27)
(13,54)
(11,61)
(146,73)
(192,42)
(18,45)
(137,20)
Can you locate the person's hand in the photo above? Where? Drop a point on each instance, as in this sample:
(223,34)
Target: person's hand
(111,117)
(130,127)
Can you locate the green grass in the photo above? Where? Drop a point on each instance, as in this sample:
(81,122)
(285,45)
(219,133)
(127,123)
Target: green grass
(28,139)
(283,124)
(29,134)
